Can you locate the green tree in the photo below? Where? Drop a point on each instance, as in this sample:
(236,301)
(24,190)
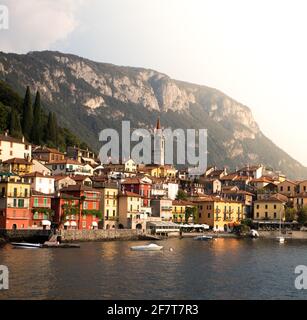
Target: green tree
(191,212)
(36,128)
(181,195)
(27,114)
(14,124)
(302,215)
(51,129)
(290,214)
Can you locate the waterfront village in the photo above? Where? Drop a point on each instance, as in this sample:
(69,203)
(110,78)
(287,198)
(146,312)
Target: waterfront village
(43,188)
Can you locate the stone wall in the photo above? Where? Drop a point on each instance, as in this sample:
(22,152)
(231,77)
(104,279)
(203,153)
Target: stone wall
(290,234)
(100,235)
(25,235)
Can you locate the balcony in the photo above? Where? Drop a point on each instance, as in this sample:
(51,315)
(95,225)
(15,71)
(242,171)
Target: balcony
(17,195)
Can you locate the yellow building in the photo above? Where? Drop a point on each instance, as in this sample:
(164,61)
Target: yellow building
(288,188)
(272,209)
(220,214)
(160,171)
(179,208)
(109,202)
(129,209)
(18,166)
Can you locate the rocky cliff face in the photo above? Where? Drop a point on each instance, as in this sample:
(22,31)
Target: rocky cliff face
(88,96)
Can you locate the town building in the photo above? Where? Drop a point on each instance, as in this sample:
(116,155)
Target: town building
(69,167)
(272,209)
(220,214)
(14,148)
(40,182)
(42,214)
(45,154)
(14,202)
(180,212)
(109,201)
(162,208)
(19,166)
(288,188)
(78,206)
(62,181)
(84,156)
(129,211)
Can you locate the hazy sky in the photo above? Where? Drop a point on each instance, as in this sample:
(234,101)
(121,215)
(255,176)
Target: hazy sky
(255,50)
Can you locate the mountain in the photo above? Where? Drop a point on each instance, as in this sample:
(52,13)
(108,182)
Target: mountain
(88,96)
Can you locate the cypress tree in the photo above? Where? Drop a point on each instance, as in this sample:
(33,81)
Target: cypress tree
(36,128)
(14,125)
(27,114)
(51,129)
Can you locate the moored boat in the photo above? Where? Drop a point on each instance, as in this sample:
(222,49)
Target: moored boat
(149,247)
(26,245)
(203,237)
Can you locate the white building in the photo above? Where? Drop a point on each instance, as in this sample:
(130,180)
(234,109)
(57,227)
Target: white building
(40,182)
(14,148)
(69,167)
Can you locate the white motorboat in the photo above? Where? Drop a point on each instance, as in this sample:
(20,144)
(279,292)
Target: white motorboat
(203,237)
(254,233)
(280,239)
(26,245)
(149,247)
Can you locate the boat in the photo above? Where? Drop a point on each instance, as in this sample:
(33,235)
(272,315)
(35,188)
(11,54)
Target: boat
(203,237)
(26,245)
(149,247)
(254,233)
(280,238)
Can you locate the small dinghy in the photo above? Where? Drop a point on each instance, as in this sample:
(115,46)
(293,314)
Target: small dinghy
(26,245)
(203,237)
(149,247)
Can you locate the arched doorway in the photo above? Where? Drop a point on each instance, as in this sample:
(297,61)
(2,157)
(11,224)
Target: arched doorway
(107,227)
(120,226)
(14,227)
(138,226)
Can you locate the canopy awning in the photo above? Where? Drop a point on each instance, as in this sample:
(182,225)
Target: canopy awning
(73,223)
(94,224)
(46,223)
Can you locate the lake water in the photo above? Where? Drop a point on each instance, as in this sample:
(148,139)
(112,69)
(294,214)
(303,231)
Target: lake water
(221,269)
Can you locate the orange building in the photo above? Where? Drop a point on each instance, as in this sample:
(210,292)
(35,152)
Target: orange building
(14,202)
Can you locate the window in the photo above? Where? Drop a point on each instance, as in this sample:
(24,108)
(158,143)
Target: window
(94,205)
(45,202)
(35,202)
(84,224)
(54,167)
(85,205)
(266,206)
(274,206)
(281,188)
(275,215)
(288,188)
(26,193)
(113,212)
(257,214)
(209,215)
(11,153)
(14,203)
(257,206)
(266,215)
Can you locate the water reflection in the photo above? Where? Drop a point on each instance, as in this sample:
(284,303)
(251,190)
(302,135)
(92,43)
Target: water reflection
(221,269)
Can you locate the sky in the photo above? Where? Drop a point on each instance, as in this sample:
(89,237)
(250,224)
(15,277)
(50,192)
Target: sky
(254,51)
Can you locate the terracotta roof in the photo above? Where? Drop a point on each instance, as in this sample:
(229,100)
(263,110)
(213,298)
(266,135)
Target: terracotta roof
(47,150)
(60,177)
(37,174)
(8,138)
(64,161)
(17,161)
(79,187)
(79,177)
(130,194)
(182,203)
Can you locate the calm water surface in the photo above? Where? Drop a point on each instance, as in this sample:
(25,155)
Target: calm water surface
(221,269)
